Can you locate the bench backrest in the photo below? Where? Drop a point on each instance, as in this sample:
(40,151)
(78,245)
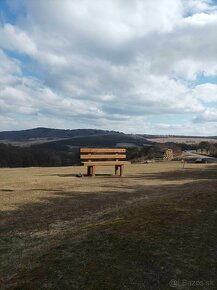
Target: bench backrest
(93,154)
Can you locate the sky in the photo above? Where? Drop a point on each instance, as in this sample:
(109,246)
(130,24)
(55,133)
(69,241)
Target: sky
(136,66)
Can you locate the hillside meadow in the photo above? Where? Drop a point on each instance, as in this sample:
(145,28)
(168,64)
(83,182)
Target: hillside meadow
(155,225)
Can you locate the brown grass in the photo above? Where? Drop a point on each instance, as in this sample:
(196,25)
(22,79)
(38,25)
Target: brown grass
(155,224)
(187,140)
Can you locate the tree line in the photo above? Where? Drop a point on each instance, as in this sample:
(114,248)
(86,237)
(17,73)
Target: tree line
(14,156)
(208,148)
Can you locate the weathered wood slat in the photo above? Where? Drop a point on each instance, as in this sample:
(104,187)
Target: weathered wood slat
(104,163)
(103,150)
(103,156)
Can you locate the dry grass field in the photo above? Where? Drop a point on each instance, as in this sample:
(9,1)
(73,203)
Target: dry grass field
(156,224)
(178,140)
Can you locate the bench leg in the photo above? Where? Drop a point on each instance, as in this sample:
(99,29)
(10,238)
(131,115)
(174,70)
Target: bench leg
(93,171)
(116,169)
(121,170)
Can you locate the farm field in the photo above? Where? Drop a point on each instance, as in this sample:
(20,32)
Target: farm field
(178,140)
(154,226)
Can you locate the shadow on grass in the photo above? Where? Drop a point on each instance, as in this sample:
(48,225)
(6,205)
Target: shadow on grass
(137,239)
(210,172)
(80,175)
(85,175)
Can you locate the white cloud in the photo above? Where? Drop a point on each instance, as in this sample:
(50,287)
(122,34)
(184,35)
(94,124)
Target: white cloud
(209,115)
(195,6)
(7,67)
(206,92)
(197,128)
(13,38)
(95,62)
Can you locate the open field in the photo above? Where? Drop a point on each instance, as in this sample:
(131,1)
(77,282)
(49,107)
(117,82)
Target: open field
(178,140)
(156,224)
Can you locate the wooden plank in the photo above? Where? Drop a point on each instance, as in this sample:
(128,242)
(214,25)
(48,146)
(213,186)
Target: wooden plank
(103,150)
(94,171)
(121,170)
(104,163)
(103,156)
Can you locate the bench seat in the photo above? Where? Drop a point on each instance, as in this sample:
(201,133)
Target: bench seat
(104,163)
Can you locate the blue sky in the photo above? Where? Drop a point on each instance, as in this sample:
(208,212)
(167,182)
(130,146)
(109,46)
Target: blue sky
(135,66)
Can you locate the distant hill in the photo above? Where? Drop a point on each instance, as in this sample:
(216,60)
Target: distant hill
(64,140)
(50,133)
(54,147)
(177,136)
(37,133)
(100,140)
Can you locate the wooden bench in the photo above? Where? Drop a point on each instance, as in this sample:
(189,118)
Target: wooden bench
(103,157)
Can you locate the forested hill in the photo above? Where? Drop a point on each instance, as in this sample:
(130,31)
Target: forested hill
(55,147)
(99,140)
(50,133)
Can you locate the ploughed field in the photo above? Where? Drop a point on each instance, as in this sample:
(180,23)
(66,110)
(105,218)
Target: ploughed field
(156,224)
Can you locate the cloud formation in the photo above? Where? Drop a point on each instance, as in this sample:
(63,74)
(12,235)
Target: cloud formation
(123,65)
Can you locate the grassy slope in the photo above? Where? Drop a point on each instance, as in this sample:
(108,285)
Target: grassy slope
(106,140)
(38,133)
(138,232)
